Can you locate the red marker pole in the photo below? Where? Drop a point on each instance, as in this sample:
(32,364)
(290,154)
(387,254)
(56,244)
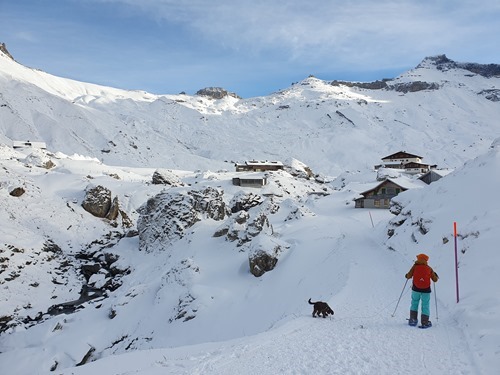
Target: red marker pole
(456,258)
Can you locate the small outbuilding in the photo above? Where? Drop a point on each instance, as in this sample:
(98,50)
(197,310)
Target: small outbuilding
(434,175)
(30,144)
(256,180)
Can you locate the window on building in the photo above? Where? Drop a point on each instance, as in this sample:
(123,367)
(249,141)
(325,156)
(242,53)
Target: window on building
(377,203)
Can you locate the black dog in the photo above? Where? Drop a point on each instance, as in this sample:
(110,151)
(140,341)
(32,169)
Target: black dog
(321,308)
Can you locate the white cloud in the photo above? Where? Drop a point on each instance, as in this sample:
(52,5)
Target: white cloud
(26,36)
(348,32)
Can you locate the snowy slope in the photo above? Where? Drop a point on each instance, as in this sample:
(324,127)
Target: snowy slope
(191,306)
(335,254)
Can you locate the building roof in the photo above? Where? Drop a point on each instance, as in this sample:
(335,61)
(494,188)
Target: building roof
(266,162)
(252,176)
(440,172)
(401,155)
(35,144)
(413,164)
(402,182)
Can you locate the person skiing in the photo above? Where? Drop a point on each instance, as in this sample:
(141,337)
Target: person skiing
(422,275)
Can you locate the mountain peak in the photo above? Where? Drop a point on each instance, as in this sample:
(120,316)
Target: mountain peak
(443,63)
(216,93)
(3,48)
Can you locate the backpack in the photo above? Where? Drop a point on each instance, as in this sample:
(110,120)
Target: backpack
(422,276)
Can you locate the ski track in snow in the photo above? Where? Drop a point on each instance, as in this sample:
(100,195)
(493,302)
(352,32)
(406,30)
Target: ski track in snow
(359,339)
(358,345)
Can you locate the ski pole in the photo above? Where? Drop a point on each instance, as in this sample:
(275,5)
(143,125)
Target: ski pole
(406,282)
(436,301)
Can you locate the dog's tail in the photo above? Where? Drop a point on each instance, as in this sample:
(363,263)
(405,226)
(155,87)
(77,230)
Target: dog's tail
(311,303)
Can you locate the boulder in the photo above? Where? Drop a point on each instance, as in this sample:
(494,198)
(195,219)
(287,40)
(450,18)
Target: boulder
(264,253)
(17,192)
(114,210)
(166,177)
(244,201)
(298,169)
(261,262)
(6,321)
(97,201)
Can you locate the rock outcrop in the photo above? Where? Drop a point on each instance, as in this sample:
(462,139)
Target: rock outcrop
(264,254)
(375,85)
(414,86)
(491,94)
(3,49)
(441,62)
(166,217)
(216,93)
(166,177)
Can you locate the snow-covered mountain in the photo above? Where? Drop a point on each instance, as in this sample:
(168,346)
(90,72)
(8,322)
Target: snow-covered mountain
(164,280)
(442,109)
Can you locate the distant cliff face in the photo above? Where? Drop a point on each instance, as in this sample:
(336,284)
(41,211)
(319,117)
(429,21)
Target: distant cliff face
(216,93)
(388,84)
(439,62)
(443,63)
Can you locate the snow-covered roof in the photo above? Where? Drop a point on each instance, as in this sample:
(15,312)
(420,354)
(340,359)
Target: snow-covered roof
(251,176)
(403,182)
(266,162)
(441,172)
(35,144)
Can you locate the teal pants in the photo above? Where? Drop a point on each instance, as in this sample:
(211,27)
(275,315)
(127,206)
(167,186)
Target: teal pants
(416,297)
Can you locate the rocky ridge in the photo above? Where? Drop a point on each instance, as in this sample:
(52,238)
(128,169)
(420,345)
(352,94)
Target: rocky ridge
(439,62)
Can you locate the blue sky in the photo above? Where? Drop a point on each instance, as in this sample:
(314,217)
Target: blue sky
(252,47)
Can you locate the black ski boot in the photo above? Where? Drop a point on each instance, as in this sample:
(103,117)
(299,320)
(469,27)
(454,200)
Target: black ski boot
(413,321)
(426,323)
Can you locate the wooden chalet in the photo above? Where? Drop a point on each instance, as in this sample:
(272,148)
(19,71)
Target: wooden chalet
(398,160)
(258,166)
(402,157)
(410,163)
(380,195)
